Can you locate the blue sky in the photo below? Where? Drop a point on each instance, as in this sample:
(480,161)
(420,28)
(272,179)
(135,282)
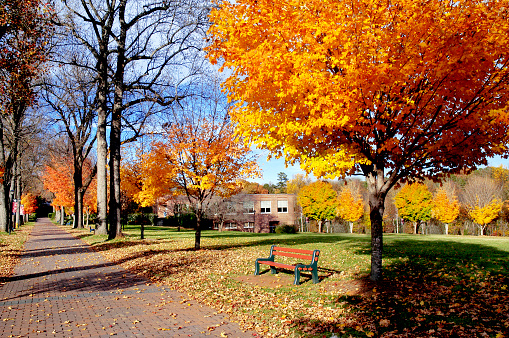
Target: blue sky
(271,168)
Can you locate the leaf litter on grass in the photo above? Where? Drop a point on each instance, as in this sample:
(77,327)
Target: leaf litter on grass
(420,296)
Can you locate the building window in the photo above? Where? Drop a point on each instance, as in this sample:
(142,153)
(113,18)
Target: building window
(282,206)
(265,207)
(248,225)
(230,226)
(249,207)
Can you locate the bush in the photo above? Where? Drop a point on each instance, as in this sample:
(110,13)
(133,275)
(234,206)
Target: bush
(32,217)
(145,219)
(285,229)
(51,215)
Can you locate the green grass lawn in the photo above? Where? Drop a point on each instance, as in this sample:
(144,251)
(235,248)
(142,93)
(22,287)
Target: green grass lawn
(434,285)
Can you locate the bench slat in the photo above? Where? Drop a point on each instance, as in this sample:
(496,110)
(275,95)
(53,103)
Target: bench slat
(302,251)
(286,266)
(284,254)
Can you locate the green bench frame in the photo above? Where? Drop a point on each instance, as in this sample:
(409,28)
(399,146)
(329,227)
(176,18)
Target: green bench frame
(309,255)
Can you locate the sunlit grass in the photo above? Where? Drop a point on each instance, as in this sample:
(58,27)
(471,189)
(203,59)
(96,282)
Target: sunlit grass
(424,275)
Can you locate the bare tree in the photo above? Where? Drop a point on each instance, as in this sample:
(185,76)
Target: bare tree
(143,51)
(68,95)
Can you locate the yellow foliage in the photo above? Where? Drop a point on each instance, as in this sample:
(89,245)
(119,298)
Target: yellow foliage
(444,209)
(350,207)
(484,215)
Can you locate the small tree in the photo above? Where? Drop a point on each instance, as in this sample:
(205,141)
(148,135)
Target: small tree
(318,201)
(445,208)
(414,203)
(483,215)
(350,206)
(282,180)
(199,159)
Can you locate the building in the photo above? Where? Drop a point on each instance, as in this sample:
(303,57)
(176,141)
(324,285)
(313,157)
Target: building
(260,213)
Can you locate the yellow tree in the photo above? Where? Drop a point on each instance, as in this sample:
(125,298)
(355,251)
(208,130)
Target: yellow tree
(198,159)
(483,215)
(390,89)
(445,208)
(414,203)
(318,201)
(350,206)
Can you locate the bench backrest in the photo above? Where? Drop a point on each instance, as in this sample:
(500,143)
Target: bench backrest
(309,255)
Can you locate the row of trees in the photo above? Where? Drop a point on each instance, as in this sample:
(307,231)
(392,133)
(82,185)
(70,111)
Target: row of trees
(478,197)
(423,93)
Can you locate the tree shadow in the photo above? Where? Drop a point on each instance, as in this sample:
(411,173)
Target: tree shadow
(441,289)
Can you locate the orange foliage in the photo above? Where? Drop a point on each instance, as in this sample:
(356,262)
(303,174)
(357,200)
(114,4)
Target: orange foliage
(58,178)
(392,89)
(29,203)
(198,160)
(400,84)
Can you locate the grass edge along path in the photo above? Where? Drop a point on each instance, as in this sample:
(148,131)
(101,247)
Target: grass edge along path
(435,285)
(11,248)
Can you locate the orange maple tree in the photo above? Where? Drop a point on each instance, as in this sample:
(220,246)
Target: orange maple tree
(350,206)
(58,177)
(390,89)
(29,203)
(199,159)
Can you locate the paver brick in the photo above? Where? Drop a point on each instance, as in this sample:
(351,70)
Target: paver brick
(62,288)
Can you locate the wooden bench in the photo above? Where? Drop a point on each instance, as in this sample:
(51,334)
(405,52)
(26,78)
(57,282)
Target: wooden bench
(308,255)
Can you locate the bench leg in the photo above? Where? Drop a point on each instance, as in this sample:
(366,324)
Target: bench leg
(257,268)
(273,270)
(315,276)
(296,281)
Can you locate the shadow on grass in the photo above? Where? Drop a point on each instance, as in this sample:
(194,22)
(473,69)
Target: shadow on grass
(442,289)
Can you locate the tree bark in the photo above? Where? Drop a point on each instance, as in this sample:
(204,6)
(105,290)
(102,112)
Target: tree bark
(197,235)
(377,191)
(116,129)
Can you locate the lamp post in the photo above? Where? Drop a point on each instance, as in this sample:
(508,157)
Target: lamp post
(11,192)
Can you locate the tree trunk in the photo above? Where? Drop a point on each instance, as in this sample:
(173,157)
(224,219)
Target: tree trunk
(116,128)
(351,227)
(115,217)
(5,203)
(415,228)
(447,228)
(319,226)
(377,190)
(197,235)
(78,193)
(62,215)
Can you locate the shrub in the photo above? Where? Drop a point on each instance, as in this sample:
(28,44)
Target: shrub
(285,229)
(145,219)
(51,215)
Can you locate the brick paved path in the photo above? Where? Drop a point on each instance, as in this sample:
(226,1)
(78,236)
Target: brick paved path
(61,288)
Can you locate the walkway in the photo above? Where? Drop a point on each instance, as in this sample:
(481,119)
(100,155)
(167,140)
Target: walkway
(62,288)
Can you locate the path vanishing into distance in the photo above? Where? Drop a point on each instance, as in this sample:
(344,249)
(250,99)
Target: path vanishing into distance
(62,288)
